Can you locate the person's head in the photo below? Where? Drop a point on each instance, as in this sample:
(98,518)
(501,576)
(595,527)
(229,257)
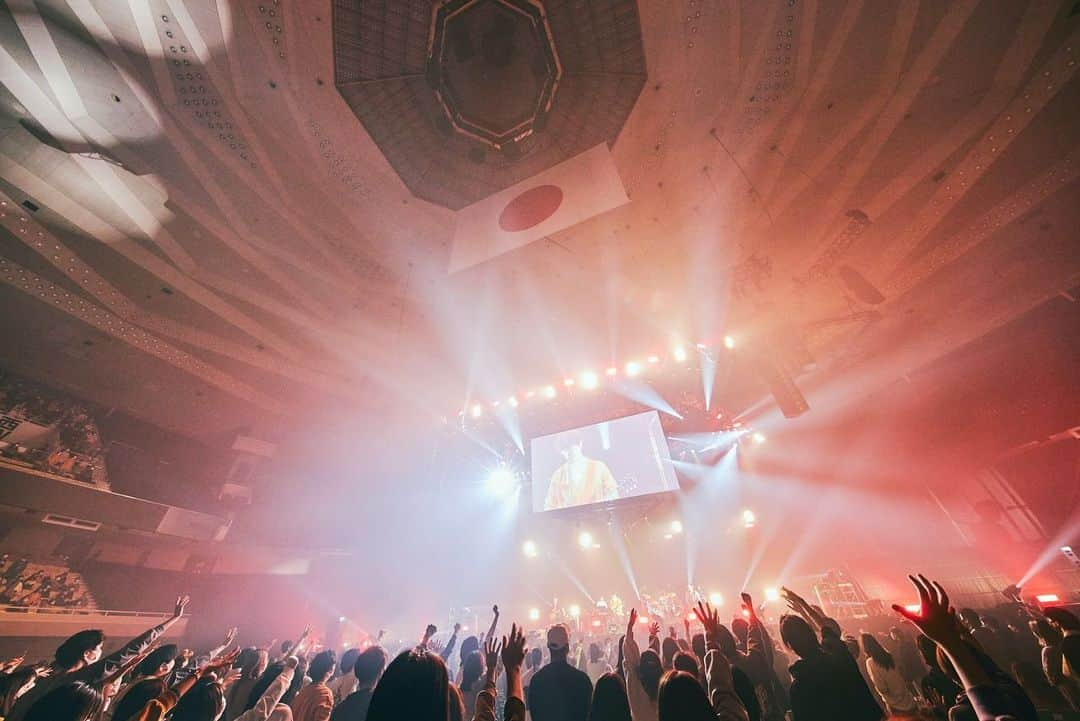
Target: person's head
(970,617)
(726,640)
(877,652)
(697,643)
(572,448)
(204,702)
(741,629)
(140,694)
(70,702)
(82,649)
(470,644)
(535,658)
(797,635)
(456,703)
(650,671)
(681,698)
(1062,619)
(14,685)
(368,666)
(596,654)
(558,642)
(322,666)
(414,686)
(668,648)
(686,662)
(1047,633)
(159,662)
(348,660)
(609,700)
(252,662)
(472,670)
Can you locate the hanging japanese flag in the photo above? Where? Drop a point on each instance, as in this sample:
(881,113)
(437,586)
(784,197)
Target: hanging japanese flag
(558,198)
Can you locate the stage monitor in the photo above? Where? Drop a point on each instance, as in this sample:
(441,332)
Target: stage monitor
(609,461)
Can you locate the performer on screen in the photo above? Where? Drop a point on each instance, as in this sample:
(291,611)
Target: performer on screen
(579,480)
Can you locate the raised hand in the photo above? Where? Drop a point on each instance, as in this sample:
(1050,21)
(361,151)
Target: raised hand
(231,677)
(654,630)
(492,649)
(513,650)
(630,624)
(220,663)
(457,628)
(671,632)
(295,650)
(935,618)
(748,604)
(428,633)
(710,619)
(181,604)
(230,636)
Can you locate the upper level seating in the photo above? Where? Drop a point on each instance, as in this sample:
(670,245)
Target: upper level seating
(27,583)
(43,430)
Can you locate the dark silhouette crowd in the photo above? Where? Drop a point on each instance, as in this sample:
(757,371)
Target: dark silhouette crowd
(936,663)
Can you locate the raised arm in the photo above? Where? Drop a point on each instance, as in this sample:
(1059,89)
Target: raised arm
(449,648)
(294,650)
(230,636)
(719,683)
(157,708)
(265,705)
(640,703)
(937,620)
(96,673)
(654,636)
(511,651)
(758,644)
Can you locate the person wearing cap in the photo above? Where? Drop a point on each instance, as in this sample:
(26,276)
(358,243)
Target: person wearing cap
(558,691)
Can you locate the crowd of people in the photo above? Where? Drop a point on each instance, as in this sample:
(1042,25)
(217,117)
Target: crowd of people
(935,664)
(24,583)
(71,447)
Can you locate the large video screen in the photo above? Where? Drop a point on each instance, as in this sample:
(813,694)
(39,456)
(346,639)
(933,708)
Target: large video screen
(609,461)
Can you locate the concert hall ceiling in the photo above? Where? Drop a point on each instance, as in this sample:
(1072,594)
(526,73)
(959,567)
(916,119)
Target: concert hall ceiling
(222,214)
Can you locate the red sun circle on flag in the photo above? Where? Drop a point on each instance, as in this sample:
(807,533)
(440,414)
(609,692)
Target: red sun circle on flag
(531,208)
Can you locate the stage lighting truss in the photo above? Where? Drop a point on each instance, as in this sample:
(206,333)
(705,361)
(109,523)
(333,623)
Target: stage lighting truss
(681,355)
